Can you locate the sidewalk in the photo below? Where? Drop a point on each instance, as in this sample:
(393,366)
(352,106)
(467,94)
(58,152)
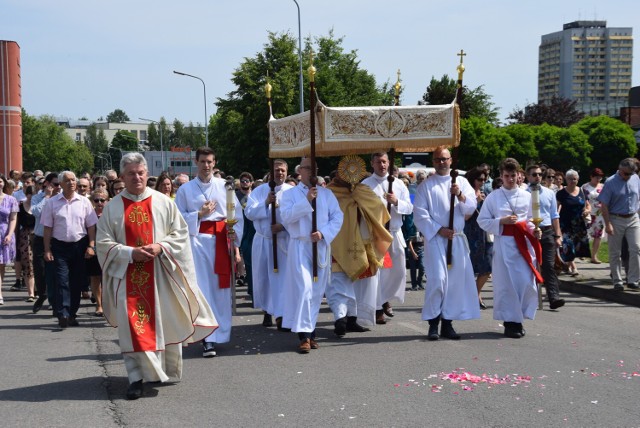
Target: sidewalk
(594,281)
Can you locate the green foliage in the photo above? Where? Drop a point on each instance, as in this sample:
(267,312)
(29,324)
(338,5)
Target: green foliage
(611,140)
(475,102)
(95,140)
(125,140)
(563,148)
(117,116)
(46,146)
(176,138)
(154,133)
(523,146)
(238,130)
(480,142)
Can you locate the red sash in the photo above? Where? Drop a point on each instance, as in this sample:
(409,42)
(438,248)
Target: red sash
(222,264)
(520,233)
(138,228)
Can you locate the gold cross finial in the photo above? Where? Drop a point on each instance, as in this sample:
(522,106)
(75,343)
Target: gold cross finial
(461,55)
(397,85)
(311,70)
(460,66)
(267,87)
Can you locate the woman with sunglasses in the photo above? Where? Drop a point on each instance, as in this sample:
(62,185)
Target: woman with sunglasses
(8,222)
(480,242)
(115,187)
(99,198)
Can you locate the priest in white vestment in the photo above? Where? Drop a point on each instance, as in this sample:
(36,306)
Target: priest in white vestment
(450,292)
(268,283)
(302,294)
(391,281)
(149,285)
(358,250)
(203,204)
(505,213)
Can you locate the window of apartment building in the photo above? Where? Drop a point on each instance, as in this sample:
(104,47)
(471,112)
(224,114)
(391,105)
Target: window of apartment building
(143,135)
(78,136)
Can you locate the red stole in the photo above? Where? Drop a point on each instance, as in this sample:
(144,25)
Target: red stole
(222,264)
(140,281)
(520,233)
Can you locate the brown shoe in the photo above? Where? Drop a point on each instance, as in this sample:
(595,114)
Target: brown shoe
(387,309)
(380,317)
(313,344)
(304,347)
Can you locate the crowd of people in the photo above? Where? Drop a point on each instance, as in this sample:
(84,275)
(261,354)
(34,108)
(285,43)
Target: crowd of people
(159,256)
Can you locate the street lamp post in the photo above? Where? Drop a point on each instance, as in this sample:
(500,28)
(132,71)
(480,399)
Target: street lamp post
(161,146)
(300,58)
(206,118)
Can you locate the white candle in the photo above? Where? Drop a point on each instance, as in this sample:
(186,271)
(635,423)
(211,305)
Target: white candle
(231,204)
(535,202)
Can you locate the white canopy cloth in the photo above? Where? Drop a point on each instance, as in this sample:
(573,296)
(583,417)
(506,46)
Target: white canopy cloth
(352,130)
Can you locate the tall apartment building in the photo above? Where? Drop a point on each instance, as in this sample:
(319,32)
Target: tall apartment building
(589,63)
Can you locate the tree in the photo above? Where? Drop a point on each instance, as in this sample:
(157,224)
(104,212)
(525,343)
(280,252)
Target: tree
(176,138)
(117,116)
(125,140)
(560,112)
(475,102)
(611,140)
(153,135)
(240,123)
(46,146)
(95,140)
(481,142)
(523,146)
(563,148)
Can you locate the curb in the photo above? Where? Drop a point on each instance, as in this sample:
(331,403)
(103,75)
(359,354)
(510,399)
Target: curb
(592,287)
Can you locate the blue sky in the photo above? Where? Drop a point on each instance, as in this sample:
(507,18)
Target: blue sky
(87,58)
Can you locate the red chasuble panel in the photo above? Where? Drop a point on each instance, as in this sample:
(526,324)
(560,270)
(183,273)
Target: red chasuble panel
(138,227)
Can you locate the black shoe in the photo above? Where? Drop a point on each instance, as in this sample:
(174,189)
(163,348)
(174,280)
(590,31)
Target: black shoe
(38,304)
(135,390)
(512,330)
(557,303)
(267,321)
(63,322)
(447,330)
(414,288)
(433,332)
(279,325)
(208,351)
(387,309)
(73,322)
(482,305)
(354,327)
(340,327)
(521,329)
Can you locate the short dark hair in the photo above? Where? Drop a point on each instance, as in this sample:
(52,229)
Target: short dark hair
(246,174)
(204,151)
(532,167)
(50,177)
(509,165)
(378,155)
(474,173)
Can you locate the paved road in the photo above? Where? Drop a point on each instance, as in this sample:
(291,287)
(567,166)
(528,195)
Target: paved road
(579,366)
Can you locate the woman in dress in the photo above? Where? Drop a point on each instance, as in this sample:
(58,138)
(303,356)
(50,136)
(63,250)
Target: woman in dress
(26,222)
(99,198)
(8,222)
(574,209)
(596,231)
(480,246)
(165,186)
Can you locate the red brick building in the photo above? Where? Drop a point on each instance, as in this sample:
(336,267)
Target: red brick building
(10,108)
